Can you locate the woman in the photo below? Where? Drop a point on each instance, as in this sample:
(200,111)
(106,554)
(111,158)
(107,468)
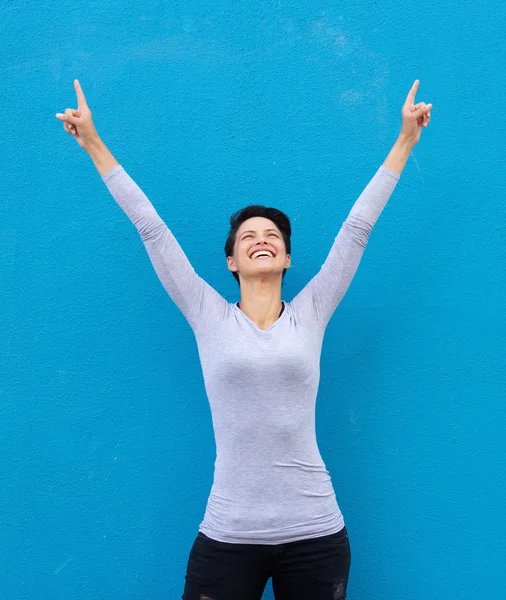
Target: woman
(272,511)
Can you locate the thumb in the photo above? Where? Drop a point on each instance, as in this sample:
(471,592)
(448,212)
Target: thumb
(68,118)
(421,110)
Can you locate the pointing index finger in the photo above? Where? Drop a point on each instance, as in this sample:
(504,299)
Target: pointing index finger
(81,100)
(411,94)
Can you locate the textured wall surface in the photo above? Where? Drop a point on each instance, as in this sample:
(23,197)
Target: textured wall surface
(107,444)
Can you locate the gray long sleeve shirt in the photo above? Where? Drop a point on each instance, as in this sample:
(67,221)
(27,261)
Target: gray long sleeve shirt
(270,484)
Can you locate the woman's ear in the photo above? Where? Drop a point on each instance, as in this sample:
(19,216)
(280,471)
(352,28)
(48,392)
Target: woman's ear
(231,264)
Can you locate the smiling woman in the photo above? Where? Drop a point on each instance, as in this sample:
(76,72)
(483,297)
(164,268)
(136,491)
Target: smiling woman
(272,510)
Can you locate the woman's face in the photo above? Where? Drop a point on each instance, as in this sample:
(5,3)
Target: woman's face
(253,236)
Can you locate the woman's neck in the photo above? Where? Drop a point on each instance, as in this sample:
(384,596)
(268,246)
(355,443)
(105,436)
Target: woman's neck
(261,313)
(261,301)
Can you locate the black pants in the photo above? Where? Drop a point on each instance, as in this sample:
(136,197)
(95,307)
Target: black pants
(313,569)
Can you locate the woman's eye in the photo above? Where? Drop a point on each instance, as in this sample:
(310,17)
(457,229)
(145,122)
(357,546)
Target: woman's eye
(249,235)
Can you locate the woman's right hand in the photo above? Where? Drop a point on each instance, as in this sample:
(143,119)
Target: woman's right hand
(78,122)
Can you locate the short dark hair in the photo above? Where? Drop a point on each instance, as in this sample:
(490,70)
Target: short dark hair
(257,210)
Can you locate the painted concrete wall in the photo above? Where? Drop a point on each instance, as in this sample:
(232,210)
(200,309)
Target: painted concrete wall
(107,446)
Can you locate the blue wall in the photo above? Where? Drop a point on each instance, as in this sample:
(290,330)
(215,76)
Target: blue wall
(107,443)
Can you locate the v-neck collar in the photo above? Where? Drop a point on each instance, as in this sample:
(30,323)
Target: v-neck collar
(283,310)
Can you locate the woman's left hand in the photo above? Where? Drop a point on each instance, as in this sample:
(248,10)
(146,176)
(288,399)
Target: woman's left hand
(414,116)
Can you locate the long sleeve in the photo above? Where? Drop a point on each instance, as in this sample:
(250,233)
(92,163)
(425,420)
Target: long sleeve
(200,304)
(321,296)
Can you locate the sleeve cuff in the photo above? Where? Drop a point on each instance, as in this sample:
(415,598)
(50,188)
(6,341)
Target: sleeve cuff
(391,172)
(112,172)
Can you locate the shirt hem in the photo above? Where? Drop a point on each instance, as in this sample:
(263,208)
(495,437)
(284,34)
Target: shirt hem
(273,537)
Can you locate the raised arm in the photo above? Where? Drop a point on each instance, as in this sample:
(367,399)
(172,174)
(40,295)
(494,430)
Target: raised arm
(319,298)
(201,304)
